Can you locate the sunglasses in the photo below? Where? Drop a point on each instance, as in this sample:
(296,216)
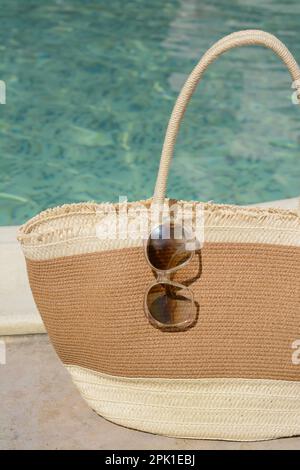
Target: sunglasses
(167,304)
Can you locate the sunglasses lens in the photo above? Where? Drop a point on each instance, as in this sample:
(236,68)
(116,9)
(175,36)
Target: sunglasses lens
(170,306)
(166,247)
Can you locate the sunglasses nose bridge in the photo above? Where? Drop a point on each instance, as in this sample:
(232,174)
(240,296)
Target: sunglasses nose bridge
(162,276)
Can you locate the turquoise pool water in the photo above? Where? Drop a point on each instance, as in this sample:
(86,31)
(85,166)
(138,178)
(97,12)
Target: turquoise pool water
(91,84)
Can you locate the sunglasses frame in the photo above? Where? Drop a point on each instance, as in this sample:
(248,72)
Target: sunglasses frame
(163,277)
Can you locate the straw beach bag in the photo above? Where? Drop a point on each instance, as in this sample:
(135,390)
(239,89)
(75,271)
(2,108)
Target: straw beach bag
(235,372)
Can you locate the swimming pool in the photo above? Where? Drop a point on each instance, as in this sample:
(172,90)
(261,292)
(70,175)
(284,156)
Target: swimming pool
(91,84)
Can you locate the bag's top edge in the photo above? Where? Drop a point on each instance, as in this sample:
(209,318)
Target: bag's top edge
(33,226)
(72,209)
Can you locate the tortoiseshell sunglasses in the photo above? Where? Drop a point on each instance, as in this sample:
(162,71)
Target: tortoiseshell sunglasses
(169,305)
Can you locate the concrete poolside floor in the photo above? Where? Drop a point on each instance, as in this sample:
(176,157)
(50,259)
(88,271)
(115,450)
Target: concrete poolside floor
(42,409)
(40,406)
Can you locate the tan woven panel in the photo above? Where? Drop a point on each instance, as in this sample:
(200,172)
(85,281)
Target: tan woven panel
(249,313)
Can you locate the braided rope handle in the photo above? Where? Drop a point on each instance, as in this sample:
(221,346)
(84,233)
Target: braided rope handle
(240,38)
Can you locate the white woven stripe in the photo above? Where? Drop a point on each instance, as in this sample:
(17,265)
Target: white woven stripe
(71,229)
(232,409)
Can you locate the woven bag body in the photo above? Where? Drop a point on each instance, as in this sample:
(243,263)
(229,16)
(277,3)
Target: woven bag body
(236,373)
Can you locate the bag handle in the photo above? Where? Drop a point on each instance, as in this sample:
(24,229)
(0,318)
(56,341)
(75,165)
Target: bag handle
(240,38)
